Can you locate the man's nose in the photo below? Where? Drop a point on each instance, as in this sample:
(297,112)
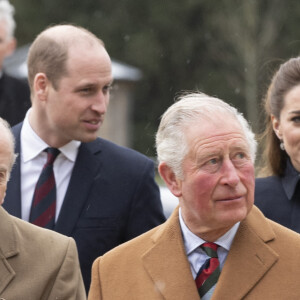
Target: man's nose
(229,173)
(100,102)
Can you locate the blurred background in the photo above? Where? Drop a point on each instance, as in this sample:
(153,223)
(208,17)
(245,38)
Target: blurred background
(225,48)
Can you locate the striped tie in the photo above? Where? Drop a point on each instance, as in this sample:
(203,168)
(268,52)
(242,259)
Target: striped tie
(44,198)
(209,273)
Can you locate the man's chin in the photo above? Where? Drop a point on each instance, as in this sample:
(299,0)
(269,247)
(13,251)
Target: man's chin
(88,137)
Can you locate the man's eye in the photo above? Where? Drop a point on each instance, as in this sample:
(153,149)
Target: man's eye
(240,158)
(2,176)
(211,165)
(87,90)
(213,161)
(107,89)
(240,155)
(296,119)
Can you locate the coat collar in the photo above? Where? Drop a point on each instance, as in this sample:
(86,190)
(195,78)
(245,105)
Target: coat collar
(249,258)
(86,169)
(290,180)
(166,260)
(8,248)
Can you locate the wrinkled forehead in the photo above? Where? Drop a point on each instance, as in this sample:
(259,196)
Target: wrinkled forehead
(213,129)
(218,119)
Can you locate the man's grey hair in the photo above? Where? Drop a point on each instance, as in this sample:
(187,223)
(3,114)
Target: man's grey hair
(171,144)
(7,14)
(6,130)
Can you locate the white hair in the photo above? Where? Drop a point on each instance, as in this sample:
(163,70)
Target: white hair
(171,145)
(7,14)
(5,130)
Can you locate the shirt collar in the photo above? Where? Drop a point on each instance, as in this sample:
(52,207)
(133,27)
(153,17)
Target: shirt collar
(290,180)
(33,145)
(192,241)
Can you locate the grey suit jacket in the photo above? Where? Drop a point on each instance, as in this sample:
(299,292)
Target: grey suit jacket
(263,263)
(37,264)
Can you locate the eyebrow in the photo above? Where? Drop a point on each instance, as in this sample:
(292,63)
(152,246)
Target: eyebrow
(294,112)
(207,155)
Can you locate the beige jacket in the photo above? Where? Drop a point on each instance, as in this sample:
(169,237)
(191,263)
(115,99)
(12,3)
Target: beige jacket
(36,263)
(263,263)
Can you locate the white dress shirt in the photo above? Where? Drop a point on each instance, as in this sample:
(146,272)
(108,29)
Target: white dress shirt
(196,256)
(33,159)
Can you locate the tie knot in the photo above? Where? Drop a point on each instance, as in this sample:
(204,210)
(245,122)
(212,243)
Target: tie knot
(51,154)
(210,249)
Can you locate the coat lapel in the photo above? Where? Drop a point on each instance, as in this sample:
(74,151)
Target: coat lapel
(8,248)
(83,175)
(167,265)
(249,258)
(6,274)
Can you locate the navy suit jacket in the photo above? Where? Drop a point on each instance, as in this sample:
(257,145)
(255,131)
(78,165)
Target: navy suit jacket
(111,198)
(271,198)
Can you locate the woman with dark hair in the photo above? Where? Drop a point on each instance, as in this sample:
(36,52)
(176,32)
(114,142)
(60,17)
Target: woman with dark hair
(278,195)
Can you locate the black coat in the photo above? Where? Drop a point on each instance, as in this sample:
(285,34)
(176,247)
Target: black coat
(14,99)
(279,198)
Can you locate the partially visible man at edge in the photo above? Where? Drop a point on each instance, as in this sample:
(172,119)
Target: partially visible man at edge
(35,263)
(216,245)
(14,92)
(106,194)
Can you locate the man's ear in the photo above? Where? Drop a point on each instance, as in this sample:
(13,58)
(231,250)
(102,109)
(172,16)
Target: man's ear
(169,177)
(276,127)
(41,86)
(10,47)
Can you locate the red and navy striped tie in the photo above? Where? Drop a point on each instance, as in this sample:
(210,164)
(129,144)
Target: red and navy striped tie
(209,273)
(44,198)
